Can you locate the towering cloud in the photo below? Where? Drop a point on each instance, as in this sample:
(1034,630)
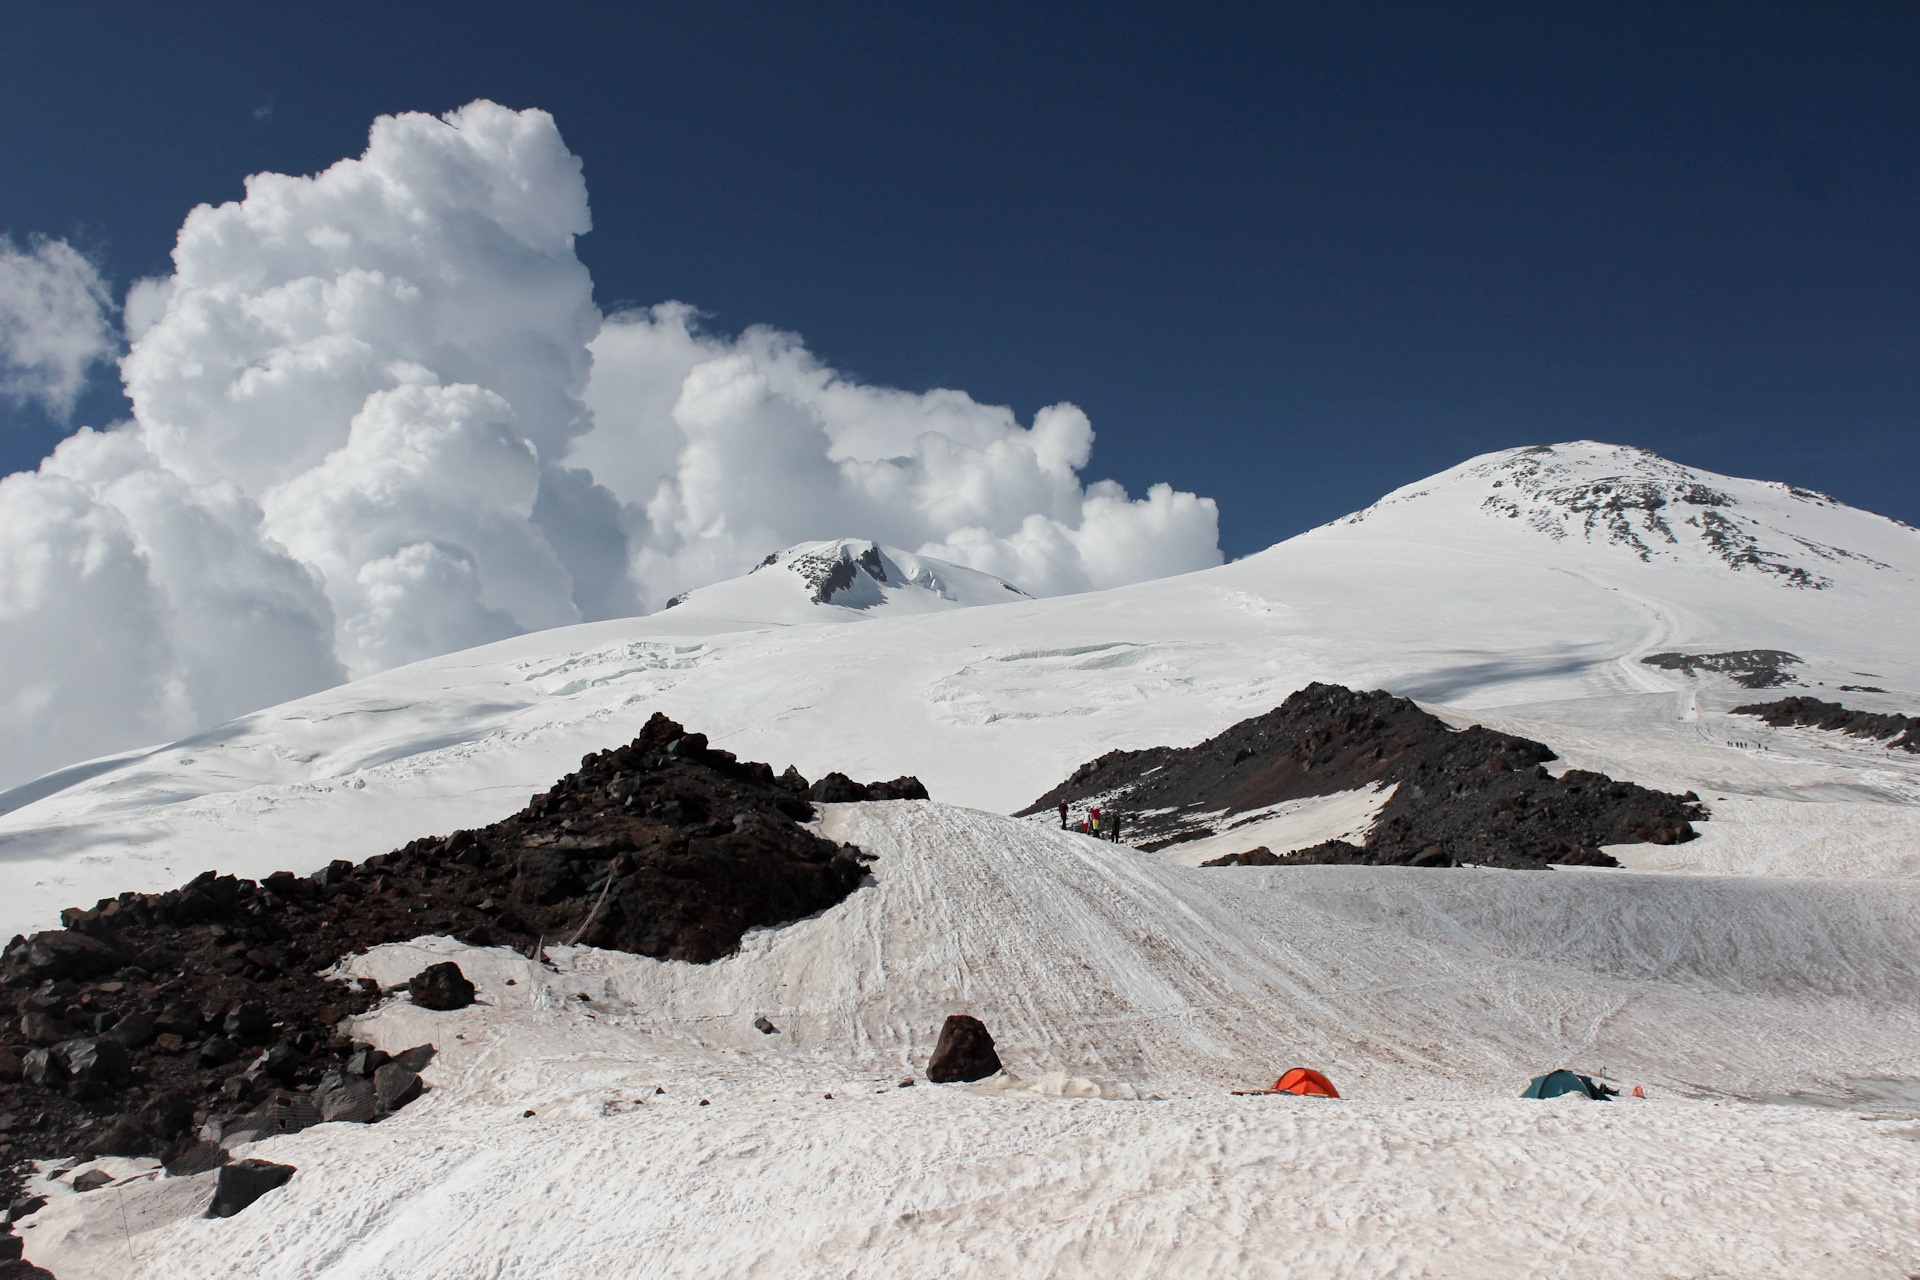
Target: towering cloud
(378,417)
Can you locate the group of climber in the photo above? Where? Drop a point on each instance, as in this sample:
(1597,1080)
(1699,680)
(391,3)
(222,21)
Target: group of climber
(1098,824)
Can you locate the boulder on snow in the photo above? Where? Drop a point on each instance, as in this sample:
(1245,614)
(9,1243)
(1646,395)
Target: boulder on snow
(764,1027)
(1259,856)
(345,1097)
(838,788)
(963,1052)
(92,1180)
(243,1182)
(416,1058)
(441,986)
(395,1086)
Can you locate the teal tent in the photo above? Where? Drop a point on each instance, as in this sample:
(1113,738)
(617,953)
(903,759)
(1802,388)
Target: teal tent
(1555,1083)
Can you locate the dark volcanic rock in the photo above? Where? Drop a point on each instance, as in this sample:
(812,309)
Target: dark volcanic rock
(441,986)
(62,953)
(1260,856)
(1467,796)
(963,1052)
(1749,668)
(395,1086)
(838,788)
(243,1182)
(1895,730)
(160,1019)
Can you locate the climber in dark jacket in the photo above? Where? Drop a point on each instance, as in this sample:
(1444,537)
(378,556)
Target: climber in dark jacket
(1063,815)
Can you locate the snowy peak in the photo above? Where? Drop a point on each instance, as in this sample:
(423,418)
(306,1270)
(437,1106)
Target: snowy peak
(841,580)
(1629,500)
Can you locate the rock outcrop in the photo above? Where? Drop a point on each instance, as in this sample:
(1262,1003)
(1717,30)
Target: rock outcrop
(1459,796)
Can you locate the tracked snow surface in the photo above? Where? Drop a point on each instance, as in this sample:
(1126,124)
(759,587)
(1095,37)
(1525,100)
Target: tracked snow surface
(1757,980)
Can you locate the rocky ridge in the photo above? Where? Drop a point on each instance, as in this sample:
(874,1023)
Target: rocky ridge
(1460,796)
(152,1024)
(1894,729)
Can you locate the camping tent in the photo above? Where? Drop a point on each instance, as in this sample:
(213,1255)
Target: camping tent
(1307,1083)
(1555,1083)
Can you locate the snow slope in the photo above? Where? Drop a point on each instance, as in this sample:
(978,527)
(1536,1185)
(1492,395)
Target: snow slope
(1428,996)
(1523,586)
(1521,590)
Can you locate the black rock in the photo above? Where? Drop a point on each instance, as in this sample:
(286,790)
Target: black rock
(764,1027)
(280,1062)
(133,1030)
(168,1114)
(345,1097)
(198,1156)
(395,1086)
(963,1052)
(441,986)
(416,1058)
(25,1205)
(246,1020)
(217,1051)
(99,1060)
(61,953)
(123,1137)
(243,1182)
(40,1067)
(92,1180)
(44,1029)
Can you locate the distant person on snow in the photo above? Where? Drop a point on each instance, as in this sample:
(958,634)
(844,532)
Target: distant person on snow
(1093,823)
(1063,815)
(1113,827)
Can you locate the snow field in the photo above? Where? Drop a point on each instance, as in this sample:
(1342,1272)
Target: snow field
(1428,996)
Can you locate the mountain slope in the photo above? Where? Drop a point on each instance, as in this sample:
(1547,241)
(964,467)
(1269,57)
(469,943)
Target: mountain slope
(1435,593)
(844,580)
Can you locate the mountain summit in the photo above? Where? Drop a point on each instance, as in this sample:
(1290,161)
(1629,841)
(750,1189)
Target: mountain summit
(841,581)
(1585,493)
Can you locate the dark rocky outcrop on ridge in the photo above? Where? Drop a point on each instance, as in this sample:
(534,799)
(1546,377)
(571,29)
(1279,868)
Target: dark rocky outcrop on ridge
(1748,668)
(1895,730)
(1466,796)
(159,1024)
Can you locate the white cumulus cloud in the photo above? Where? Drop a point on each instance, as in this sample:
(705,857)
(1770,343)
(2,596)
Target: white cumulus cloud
(723,449)
(55,323)
(378,417)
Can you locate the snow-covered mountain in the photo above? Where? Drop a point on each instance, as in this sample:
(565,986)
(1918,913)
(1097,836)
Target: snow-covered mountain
(840,581)
(1599,600)
(1541,622)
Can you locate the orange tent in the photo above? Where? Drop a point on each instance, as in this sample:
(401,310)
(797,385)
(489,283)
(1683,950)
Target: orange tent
(1307,1083)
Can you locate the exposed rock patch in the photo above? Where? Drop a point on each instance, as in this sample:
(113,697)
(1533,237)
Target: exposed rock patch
(244,1181)
(1467,796)
(170,1024)
(1895,730)
(1749,668)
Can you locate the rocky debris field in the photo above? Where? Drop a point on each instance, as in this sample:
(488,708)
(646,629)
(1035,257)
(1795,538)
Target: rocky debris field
(161,1024)
(1465,796)
(1748,668)
(1895,730)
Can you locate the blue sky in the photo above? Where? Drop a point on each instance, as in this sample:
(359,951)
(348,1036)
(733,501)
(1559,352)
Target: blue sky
(1285,258)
